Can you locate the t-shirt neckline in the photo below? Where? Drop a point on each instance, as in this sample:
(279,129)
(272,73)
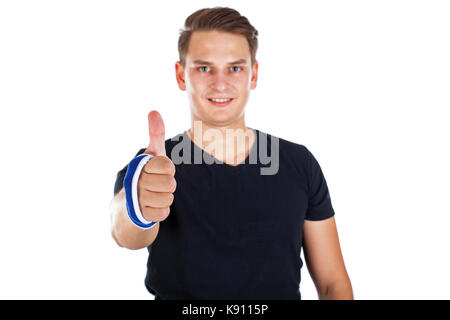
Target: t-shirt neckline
(252,152)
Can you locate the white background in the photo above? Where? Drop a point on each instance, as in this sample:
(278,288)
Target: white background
(365,85)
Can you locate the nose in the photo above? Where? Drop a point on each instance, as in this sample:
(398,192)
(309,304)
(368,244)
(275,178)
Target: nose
(219,82)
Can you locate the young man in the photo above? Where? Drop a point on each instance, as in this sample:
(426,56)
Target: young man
(225,228)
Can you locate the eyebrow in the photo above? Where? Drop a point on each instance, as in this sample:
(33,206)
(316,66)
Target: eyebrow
(240,61)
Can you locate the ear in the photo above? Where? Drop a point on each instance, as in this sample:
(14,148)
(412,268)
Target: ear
(179,74)
(254,78)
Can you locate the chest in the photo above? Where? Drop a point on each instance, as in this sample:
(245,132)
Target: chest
(241,203)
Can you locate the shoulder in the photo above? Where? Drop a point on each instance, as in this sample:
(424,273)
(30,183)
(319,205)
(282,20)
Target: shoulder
(286,146)
(293,156)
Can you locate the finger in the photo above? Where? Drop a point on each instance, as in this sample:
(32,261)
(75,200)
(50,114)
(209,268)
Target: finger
(155,199)
(157,182)
(157,133)
(160,165)
(155,214)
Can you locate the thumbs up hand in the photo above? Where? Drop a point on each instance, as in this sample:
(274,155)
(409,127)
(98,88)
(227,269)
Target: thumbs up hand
(156,183)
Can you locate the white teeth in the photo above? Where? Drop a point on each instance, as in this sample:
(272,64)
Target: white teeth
(220,100)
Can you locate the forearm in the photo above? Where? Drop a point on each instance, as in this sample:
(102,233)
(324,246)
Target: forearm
(126,233)
(338,291)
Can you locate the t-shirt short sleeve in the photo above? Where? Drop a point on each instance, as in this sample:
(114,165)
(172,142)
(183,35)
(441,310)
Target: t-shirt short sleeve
(319,203)
(118,185)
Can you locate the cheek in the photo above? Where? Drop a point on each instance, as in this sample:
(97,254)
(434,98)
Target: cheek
(197,83)
(243,86)
(194,88)
(242,81)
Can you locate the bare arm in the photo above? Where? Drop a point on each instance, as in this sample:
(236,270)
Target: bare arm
(324,260)
(124,232)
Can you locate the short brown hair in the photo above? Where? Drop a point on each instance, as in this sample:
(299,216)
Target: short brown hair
(221,19)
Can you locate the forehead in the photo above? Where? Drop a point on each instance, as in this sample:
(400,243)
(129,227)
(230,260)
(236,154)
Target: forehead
(217,46)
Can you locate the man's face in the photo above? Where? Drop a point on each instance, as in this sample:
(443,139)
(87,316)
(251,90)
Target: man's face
(218,65)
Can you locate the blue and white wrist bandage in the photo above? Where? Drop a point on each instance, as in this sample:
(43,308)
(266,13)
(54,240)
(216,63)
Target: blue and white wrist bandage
(131,194)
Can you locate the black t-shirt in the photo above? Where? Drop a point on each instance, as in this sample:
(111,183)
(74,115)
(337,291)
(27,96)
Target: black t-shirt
(232,232)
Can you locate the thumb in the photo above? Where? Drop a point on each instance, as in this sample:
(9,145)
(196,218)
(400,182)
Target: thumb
(157,132)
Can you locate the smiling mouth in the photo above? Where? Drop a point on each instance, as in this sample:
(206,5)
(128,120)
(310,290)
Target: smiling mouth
(220,102)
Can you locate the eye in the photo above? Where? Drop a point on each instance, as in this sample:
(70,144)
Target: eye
(200,68)
(237,67)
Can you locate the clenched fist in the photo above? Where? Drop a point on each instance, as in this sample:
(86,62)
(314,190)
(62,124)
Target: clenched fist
(156,183)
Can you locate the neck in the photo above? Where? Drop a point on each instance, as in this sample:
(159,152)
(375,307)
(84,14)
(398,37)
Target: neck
(230,143)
